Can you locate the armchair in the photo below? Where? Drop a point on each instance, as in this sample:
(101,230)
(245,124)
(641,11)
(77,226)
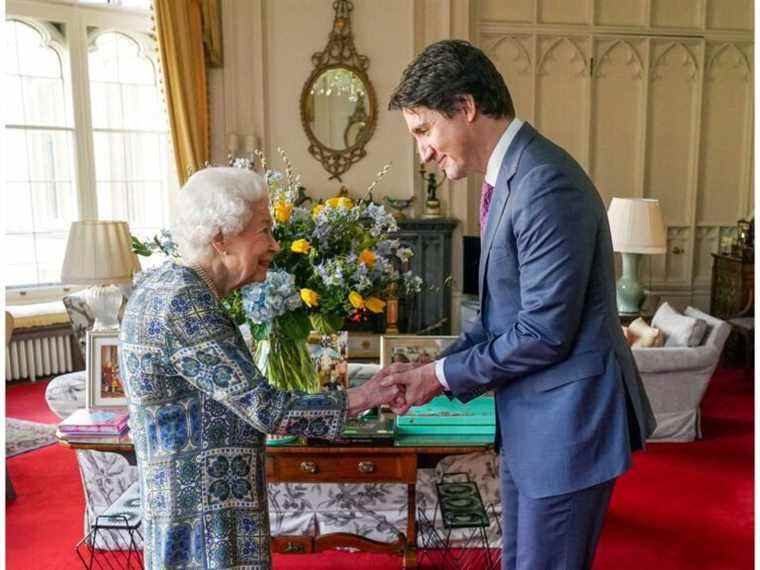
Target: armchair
(676,378)
(105,476)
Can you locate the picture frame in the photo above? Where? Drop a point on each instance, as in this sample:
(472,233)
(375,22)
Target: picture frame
(412,348)
(105,387)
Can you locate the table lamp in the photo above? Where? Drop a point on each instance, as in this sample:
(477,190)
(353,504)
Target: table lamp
(637,228)
(99,253)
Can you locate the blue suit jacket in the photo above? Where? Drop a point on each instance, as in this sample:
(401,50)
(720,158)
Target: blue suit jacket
(569,401)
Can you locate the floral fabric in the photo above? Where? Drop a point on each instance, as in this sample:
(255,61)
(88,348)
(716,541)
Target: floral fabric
(199,410)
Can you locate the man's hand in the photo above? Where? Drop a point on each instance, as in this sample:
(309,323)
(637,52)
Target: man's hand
(419,385)
(371,394)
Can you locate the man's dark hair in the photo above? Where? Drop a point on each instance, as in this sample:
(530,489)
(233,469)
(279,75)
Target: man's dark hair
(444,73)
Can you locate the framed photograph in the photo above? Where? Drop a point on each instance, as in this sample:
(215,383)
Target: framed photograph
(412,348)
(104,384)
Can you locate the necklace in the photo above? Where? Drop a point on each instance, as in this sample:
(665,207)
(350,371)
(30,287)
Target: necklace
(206,279)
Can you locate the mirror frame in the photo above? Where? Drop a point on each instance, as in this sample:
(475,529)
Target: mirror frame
(339,53)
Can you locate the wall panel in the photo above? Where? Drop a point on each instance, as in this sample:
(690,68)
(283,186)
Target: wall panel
(512,11)
(619,83)
(725,122)
(563,12)
(617,13)
(672,96)
(676,13)
(730,14)
(561,92)
(513,56)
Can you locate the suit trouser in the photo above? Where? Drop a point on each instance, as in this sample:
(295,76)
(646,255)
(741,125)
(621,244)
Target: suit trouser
(551,533)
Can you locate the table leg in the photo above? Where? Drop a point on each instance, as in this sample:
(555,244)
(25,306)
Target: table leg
(410,554)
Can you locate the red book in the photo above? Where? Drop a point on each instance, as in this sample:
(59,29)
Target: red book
(96,420)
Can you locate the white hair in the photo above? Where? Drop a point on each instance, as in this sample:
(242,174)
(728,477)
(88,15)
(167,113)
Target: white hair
(214,201)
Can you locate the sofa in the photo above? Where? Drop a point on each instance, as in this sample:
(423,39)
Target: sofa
(676,378)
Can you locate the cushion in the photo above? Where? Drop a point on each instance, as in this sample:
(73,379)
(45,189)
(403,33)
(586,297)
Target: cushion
(38,314)
(679,330)
(643,335)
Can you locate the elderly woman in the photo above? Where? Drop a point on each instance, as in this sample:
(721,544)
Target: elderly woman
(199,408)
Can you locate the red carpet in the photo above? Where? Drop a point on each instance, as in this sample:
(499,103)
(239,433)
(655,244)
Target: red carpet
(27,402)
(682,506)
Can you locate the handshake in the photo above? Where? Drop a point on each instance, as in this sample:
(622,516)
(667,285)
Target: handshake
(399,385)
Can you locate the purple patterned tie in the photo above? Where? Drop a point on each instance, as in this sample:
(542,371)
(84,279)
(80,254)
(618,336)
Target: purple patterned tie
(486,193)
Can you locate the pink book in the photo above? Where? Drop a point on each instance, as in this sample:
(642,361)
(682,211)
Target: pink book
(96,420)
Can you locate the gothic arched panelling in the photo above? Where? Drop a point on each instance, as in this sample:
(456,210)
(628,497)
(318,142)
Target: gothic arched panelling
(726,134)
(618,84)
(561,92)
(512,56)
(671,129)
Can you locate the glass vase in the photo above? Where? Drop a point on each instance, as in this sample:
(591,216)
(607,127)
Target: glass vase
(287,363)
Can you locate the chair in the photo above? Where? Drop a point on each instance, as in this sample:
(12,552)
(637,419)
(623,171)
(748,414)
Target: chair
(105,476)
(676,378)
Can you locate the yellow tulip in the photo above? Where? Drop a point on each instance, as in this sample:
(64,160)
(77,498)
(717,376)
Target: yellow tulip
(316,210)
(310,297)
(367,257)
(282,211)
(375,305)
(340,202)
(356,300)
(300,246)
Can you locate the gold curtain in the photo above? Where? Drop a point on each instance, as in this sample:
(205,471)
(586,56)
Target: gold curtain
(180,35)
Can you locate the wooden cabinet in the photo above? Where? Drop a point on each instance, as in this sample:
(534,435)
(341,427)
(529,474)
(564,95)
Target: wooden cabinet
(430,310)
(733,285)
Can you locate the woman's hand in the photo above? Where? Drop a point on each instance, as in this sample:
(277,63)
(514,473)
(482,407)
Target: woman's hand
(372,393)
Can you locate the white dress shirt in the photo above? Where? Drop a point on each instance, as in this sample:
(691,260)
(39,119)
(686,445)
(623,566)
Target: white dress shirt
(492,173)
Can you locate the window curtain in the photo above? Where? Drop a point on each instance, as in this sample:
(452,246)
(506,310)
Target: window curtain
(180,34)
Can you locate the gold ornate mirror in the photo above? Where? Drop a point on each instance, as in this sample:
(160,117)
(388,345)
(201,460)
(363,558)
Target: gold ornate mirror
(338,105)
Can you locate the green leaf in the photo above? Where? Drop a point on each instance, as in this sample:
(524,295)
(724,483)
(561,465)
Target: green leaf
(326,323)
(294,324)
(140,248)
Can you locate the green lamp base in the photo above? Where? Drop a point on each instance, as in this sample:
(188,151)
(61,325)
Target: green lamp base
(630,293)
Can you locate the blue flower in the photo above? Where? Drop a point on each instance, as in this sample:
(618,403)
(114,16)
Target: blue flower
(263,302)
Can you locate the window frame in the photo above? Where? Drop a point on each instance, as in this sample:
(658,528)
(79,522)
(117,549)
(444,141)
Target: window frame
(77,20)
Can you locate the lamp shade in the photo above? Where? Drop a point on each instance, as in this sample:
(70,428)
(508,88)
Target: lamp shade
(99,253)
(636,226)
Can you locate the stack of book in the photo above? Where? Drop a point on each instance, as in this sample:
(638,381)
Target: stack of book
(89,422)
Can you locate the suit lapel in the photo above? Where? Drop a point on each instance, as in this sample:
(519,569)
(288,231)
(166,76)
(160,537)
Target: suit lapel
(501,197)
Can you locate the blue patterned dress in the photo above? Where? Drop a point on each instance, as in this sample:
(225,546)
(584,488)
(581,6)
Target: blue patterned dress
(199,409)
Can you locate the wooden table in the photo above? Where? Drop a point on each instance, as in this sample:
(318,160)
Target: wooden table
(300,463)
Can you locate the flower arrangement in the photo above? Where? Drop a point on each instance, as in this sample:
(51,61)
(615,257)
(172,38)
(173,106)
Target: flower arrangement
(337,261)
(338,256)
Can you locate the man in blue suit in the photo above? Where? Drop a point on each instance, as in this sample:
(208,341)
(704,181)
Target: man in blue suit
(570,405)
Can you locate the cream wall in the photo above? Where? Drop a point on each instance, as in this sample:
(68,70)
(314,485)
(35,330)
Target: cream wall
(653,97)
(268,47)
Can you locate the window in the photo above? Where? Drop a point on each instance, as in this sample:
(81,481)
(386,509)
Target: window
(130,134)
(102,151)
(40,195)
